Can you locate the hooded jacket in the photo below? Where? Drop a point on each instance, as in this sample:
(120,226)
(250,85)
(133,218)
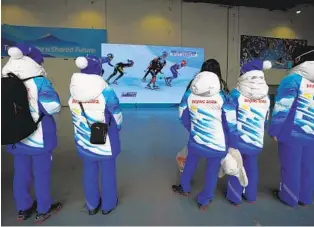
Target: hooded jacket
(42,100)
(206,113)
(252,105)
(293,114)
(101,105)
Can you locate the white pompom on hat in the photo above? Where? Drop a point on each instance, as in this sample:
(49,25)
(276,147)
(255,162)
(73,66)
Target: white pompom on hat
(89,65)
(15,53)
(81,62)
(267,65)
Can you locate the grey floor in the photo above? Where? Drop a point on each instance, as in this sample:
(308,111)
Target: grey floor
(146,170)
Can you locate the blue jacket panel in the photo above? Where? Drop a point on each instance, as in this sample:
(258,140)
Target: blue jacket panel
(213,128)
(101,105)
(105,60)
(293,114)
(251,121)
(43,100)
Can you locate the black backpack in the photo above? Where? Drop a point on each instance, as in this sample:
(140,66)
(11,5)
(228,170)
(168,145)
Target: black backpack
(17,122)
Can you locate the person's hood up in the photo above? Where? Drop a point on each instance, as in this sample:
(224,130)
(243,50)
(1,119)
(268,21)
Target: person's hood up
(86,87)
(206,84)
(305,69)
(25,62)
(252,83)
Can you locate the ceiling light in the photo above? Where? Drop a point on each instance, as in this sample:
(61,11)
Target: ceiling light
(299,11)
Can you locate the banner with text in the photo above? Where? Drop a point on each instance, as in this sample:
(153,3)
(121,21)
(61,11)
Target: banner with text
(55,42)
(142,74)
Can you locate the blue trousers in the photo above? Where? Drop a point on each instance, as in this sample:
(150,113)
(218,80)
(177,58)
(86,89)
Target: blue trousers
(109,194)
(235,190)
(27,167)
(174,73)
(297,174)
(211,177)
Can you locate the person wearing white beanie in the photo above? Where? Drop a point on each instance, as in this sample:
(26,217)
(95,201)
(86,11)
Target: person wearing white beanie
(252,104)
(97,120)
(33,154)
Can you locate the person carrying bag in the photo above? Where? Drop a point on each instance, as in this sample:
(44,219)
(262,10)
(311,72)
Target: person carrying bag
(93,103)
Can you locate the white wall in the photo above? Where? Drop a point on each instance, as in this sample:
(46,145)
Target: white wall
(161,22)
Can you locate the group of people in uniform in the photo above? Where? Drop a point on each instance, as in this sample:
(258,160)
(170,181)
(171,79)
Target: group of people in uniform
(226,129)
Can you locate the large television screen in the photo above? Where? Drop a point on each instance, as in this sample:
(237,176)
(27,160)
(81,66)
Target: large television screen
(142,74)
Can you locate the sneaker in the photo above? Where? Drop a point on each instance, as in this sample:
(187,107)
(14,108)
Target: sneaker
(303,204)
(231,202)
(41,217)
(155,87)
(23,215)
(95,211)
(203,207)
(178,189)
(275,193)
(143,80)
(109,211)
(249,201)
(148,86)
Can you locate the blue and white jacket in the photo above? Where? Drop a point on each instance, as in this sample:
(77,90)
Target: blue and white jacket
(209,117)
(42,99)
(293,114)
(252,103)
(101,105)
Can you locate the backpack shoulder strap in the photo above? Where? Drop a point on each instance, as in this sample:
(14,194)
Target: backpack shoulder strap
(40,118)
(31,78)
(42,115)
(84,114)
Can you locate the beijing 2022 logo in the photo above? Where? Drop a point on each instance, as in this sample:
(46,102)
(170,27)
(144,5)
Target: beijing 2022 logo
(190,54)
(129,94)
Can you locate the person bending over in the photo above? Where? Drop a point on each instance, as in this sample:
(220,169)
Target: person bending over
(119,68)
(174,70)
(154,73)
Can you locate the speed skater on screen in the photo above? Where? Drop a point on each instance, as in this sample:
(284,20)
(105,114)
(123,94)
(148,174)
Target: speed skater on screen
(160,66)
(154,64)
(119,68)
(107,59)
(174,70)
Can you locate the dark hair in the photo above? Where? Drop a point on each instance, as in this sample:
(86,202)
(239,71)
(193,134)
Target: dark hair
(212,65)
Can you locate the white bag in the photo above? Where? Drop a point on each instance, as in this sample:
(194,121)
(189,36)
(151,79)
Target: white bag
(232,165)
